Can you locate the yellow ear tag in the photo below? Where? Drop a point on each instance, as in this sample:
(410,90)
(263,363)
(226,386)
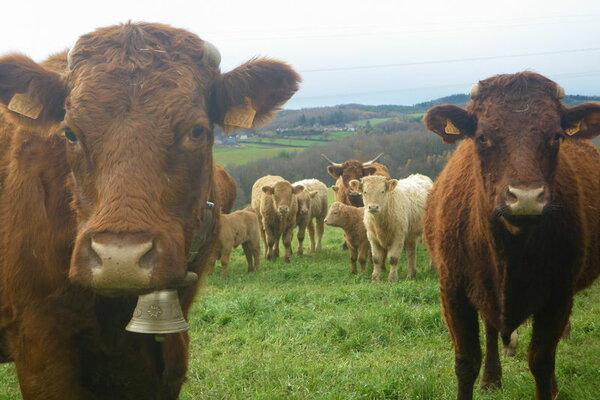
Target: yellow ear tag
(451,129)
(241,116)
(574,129)
(25,105)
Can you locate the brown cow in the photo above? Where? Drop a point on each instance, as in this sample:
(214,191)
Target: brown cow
(512,222)
(226,189)
(349,170)
(241,227)
(350,219)
(274,200)
(106,171)
(312,209)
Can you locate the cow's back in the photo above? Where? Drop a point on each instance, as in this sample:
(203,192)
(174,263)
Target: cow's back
(225,187)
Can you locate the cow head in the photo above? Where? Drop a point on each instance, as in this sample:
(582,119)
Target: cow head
(349,170)
(283,196)
(515,125)
(304,199)
(375,190)
(137,105)
(335,214)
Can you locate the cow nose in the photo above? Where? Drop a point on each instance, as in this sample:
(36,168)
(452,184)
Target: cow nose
(373,209)
(526,201)
(121,261)
(284,209)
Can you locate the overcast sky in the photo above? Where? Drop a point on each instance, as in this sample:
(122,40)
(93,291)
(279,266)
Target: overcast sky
(369,52)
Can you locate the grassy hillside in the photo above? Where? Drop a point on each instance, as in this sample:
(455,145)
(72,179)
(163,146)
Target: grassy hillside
(311,330)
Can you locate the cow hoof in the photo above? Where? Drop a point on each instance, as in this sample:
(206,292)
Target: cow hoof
(491,385)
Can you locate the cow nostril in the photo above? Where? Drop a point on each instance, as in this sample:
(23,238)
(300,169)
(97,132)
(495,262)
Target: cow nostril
(511,196)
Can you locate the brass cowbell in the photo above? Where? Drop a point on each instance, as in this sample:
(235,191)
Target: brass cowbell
(159,313)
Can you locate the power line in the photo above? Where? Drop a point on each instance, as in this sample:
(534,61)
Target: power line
(483,58)
(582,74)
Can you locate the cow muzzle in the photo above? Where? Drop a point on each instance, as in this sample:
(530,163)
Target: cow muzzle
(373,209)
(121,264)
(526,201)
(283,210)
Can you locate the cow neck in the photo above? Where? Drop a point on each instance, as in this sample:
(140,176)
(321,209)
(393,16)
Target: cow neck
(206,223)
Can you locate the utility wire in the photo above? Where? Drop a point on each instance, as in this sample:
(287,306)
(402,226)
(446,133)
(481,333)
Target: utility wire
(483,58)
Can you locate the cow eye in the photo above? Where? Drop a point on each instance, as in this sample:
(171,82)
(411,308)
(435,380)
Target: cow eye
(482,138)
(70,135)
(197,131)
(558,136)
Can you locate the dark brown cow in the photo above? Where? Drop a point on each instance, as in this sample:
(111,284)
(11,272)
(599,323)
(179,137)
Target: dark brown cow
(226,189)
(106,170)
(513,220)
(349,170)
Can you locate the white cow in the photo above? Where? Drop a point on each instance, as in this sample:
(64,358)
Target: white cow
(393,213)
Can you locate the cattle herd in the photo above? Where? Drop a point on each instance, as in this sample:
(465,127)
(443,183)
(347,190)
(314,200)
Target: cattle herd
(107,185)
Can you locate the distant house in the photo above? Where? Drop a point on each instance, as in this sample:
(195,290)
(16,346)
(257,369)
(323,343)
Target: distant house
(243,137)
(229,140)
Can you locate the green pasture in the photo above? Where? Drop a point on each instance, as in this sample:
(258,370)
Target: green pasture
(372,121)
(248,153)
(312,330)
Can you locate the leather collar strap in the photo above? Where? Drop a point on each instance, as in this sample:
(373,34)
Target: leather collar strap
(206,223)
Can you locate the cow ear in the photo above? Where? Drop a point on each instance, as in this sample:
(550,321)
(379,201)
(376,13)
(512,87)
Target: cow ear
(582,121)
(268,189)
(391,184)
(29,94)
(249,95)
(452,123)
(369,170)
(355,185)
(313,194)
(297,189)
(334,171)
(335,188)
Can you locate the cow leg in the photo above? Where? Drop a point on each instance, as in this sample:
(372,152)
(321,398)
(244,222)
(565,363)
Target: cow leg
(463,324)
(301,234)
(492,370)
(510,348)
(272,244)
(319,230)
(411,255)
(353,257)
(256,255)
(226,254)
(548,326)
(379,255)
(287,243)
(248,253)
(276,242)
(311,234)
(363,255)
(394,253)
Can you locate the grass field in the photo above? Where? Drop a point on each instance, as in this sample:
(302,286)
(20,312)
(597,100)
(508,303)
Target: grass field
(311,330)
(248,153)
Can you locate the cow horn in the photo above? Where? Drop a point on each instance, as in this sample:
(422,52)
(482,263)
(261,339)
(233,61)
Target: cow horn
(474,90)
(331,162)
(212,54)
(368,163)
(560,91)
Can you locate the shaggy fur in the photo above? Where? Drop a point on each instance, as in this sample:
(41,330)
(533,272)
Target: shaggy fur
(351,220)
(505,267)
(275,201)
(393,213)
(238,228)
(121,154)
(312,209)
